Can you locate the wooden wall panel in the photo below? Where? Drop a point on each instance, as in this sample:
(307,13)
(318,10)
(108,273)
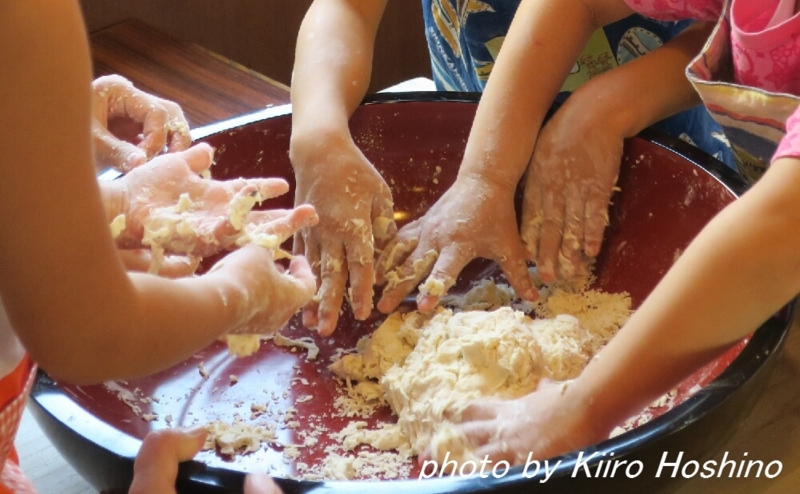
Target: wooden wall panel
(261,34)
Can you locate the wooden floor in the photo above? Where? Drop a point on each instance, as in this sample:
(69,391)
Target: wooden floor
(40,461)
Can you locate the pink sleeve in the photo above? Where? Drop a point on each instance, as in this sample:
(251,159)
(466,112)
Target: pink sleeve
(676,10)
(790,144)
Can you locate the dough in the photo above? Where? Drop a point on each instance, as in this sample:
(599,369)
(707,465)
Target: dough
(430,367)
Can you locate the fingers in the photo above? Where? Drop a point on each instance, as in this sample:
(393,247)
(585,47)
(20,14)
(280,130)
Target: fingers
(300,270)
(113,152)
(402,280)
(123,100)
(156,466)
(270,187)
(361,265)
(260,483)
(163,122)
(384,227)
(199,157)
(396,252)
(443,276)
(532,217)
(572,237)
(553,204)
(169,267)
(516,271)
(333,274)
(596,219)
(178,127)
(312,254)
(283,223)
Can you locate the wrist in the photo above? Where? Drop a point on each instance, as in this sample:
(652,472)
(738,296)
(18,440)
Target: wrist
(317,138)
(504,185)
(599,105)
(592,412)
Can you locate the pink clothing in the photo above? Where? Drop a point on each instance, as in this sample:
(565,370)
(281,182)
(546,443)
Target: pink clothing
(790,145)
(676,10)
(765,36)
(764,45)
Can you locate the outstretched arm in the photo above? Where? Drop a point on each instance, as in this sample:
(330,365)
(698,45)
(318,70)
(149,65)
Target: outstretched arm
(741,268)
(737,272)
(476,217)
(578,153)
(331,75)
(63,287)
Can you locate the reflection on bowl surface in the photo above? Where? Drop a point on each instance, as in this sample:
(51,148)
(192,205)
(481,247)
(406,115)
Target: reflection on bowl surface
(668,192)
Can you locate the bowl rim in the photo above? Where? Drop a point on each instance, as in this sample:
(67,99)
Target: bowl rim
(762,346)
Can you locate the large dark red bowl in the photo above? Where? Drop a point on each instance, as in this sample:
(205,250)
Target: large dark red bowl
(669,190)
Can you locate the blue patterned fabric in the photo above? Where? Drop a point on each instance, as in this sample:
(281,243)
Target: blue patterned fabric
(464,37)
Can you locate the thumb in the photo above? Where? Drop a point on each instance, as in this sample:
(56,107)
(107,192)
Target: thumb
(156,466)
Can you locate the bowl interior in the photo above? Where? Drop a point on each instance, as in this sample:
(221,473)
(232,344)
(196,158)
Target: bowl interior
(665,200)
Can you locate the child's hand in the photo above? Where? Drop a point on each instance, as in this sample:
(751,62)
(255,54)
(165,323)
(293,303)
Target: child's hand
(170,266)
(150,196)
(267,296)
(156,466)
(474,218)
(355,208)
(542,424)
(130,126)
(568,188)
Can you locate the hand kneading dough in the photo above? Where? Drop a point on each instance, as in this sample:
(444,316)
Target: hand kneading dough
(432,366)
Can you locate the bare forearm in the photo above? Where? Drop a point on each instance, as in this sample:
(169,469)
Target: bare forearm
(619,92)
(333,62)
(739,270)
(62,285)
(158,323)
(533,63)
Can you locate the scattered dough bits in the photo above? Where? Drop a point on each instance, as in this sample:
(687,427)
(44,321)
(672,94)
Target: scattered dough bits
(175,229)
(117,226)
(236,438)
(244,345)
(429,367)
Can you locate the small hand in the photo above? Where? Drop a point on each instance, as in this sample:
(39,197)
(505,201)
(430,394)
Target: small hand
(568,188)
(130,126)
(474,218)
(156,466)
(355,208)
(542,424)
(170,267)
(268,295)
(167,202)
